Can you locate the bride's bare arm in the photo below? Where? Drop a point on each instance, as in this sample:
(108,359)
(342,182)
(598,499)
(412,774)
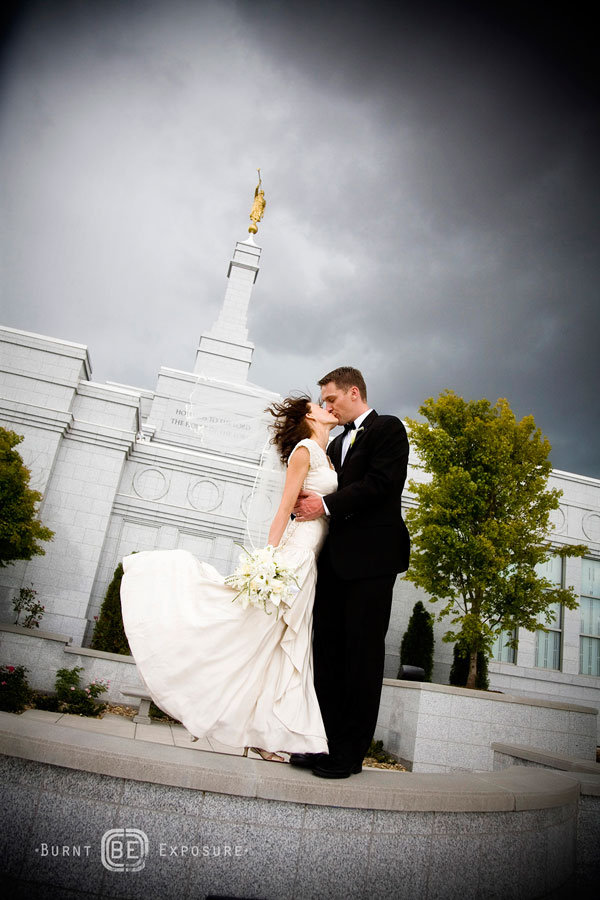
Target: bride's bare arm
(297,471)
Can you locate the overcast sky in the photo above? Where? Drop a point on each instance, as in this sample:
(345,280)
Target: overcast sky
(431,183)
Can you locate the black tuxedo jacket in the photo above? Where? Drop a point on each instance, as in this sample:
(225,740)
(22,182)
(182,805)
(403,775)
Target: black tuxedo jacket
(367,534)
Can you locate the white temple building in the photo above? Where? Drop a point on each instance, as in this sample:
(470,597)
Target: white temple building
(123,468)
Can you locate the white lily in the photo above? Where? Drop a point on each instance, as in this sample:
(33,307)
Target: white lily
(262,580)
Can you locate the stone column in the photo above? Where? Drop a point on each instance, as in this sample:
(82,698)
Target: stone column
(78,502)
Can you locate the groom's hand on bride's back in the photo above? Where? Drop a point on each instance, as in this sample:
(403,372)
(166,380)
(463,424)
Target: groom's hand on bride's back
(308,506)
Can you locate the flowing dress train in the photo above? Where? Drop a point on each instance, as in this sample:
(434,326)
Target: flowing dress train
(237,675)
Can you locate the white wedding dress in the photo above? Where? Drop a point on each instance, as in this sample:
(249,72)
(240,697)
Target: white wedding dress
(237,675)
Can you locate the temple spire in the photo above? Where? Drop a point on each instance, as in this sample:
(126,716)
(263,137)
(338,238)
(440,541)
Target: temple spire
(224,352)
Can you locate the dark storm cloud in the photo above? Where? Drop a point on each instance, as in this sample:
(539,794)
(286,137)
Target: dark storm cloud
(482,271)
(431,189)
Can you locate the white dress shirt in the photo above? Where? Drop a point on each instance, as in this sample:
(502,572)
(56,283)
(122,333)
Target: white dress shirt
(348,437)
(346,443)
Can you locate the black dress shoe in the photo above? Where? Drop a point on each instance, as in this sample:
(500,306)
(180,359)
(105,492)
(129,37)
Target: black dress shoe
(331,769)
(306,760)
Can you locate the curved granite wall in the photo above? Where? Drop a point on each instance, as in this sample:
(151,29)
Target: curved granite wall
(505,834)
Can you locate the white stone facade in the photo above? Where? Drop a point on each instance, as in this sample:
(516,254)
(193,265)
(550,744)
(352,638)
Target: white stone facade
(124,469)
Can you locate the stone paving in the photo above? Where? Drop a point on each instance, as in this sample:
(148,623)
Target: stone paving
(170,734)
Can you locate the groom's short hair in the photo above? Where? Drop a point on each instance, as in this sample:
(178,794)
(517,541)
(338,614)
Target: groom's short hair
(346,377)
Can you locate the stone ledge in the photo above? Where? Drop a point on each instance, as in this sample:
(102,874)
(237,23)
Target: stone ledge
(44,342)
(517,788)
(488,695)
(100,654)
(589,785)
(100,391)
(40,417)
(547,676)
(545,758)
(35,633)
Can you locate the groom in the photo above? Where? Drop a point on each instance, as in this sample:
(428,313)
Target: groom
(367,545)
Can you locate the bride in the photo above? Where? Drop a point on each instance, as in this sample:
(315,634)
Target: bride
(235,674)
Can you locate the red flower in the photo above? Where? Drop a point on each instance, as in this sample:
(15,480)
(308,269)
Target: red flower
(10,669)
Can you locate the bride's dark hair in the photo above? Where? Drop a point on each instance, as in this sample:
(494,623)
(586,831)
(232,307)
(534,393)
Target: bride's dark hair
(290,424)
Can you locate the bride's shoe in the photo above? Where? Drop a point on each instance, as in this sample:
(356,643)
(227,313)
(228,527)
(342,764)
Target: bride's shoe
(264,754)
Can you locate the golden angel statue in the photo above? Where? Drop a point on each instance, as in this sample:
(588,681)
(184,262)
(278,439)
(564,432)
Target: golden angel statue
(258,207)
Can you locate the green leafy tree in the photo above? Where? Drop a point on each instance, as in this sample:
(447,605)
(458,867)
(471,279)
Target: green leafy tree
(20,529)
(109,633)
(480,525)
(416,648)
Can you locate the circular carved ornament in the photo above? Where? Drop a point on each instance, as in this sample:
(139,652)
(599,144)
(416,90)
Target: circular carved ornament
(150,484)
(262,508)
(591,526)
(205,495)
(244,503)
(558,520)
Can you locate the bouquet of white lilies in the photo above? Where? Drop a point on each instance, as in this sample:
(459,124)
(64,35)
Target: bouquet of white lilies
(263,580)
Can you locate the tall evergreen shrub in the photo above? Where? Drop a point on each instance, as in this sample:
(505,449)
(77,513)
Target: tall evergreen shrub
(109,633)
(460,669)
(416,648)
